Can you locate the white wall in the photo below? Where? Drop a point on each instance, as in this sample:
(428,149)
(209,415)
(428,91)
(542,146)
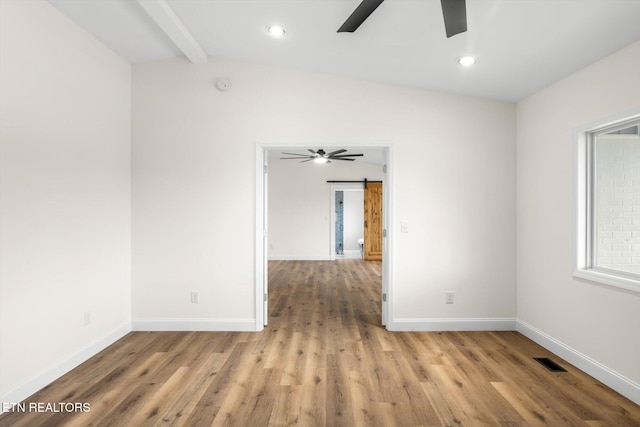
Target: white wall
(300,205)
(600,322)
(194,185)
(65,196)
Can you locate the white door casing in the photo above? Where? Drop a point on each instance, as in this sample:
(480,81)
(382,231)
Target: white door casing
(261,232)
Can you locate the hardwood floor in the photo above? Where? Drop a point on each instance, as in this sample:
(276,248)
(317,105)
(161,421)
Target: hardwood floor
(324,360)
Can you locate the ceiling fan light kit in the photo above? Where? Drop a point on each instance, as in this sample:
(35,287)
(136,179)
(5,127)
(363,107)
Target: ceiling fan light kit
(454,13)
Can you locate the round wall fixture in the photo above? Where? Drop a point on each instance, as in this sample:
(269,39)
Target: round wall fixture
(222,84)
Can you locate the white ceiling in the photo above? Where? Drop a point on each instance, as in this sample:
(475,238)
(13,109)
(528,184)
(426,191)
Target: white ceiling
(522,46)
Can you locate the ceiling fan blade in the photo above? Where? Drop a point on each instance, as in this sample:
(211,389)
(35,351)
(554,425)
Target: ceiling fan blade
(455,16)
(310,150)
(333,153)
(341,158)
(308,160)
(359,15)
(346,155)
(295,154)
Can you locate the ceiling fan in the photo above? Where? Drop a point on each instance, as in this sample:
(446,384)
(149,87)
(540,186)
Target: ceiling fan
(321,156)
(454,12)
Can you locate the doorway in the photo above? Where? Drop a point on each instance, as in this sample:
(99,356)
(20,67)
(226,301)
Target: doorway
(347,217)
(261,243)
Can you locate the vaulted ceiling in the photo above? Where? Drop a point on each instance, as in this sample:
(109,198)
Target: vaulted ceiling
(521,46)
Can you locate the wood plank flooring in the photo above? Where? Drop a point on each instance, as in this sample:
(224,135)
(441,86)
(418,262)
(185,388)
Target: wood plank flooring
(324,360)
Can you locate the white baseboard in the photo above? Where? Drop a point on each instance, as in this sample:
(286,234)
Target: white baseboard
(207,325)
(297,258)
(65,365)
(352,254)
(612,379)
(435,325)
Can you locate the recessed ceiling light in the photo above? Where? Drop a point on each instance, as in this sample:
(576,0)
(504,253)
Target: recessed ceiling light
(466,61)
(276,31)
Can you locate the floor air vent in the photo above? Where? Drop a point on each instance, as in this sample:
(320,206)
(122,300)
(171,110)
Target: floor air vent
(549,364)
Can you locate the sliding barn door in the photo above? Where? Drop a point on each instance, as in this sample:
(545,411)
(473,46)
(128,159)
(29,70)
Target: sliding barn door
(373,221)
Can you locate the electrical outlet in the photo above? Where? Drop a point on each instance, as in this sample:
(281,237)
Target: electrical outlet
(449,297)
(195,297)
(87,318)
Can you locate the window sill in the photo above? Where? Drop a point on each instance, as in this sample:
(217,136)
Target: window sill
(609,279)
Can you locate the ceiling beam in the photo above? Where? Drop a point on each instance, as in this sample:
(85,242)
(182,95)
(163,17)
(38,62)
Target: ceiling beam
(174,28)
